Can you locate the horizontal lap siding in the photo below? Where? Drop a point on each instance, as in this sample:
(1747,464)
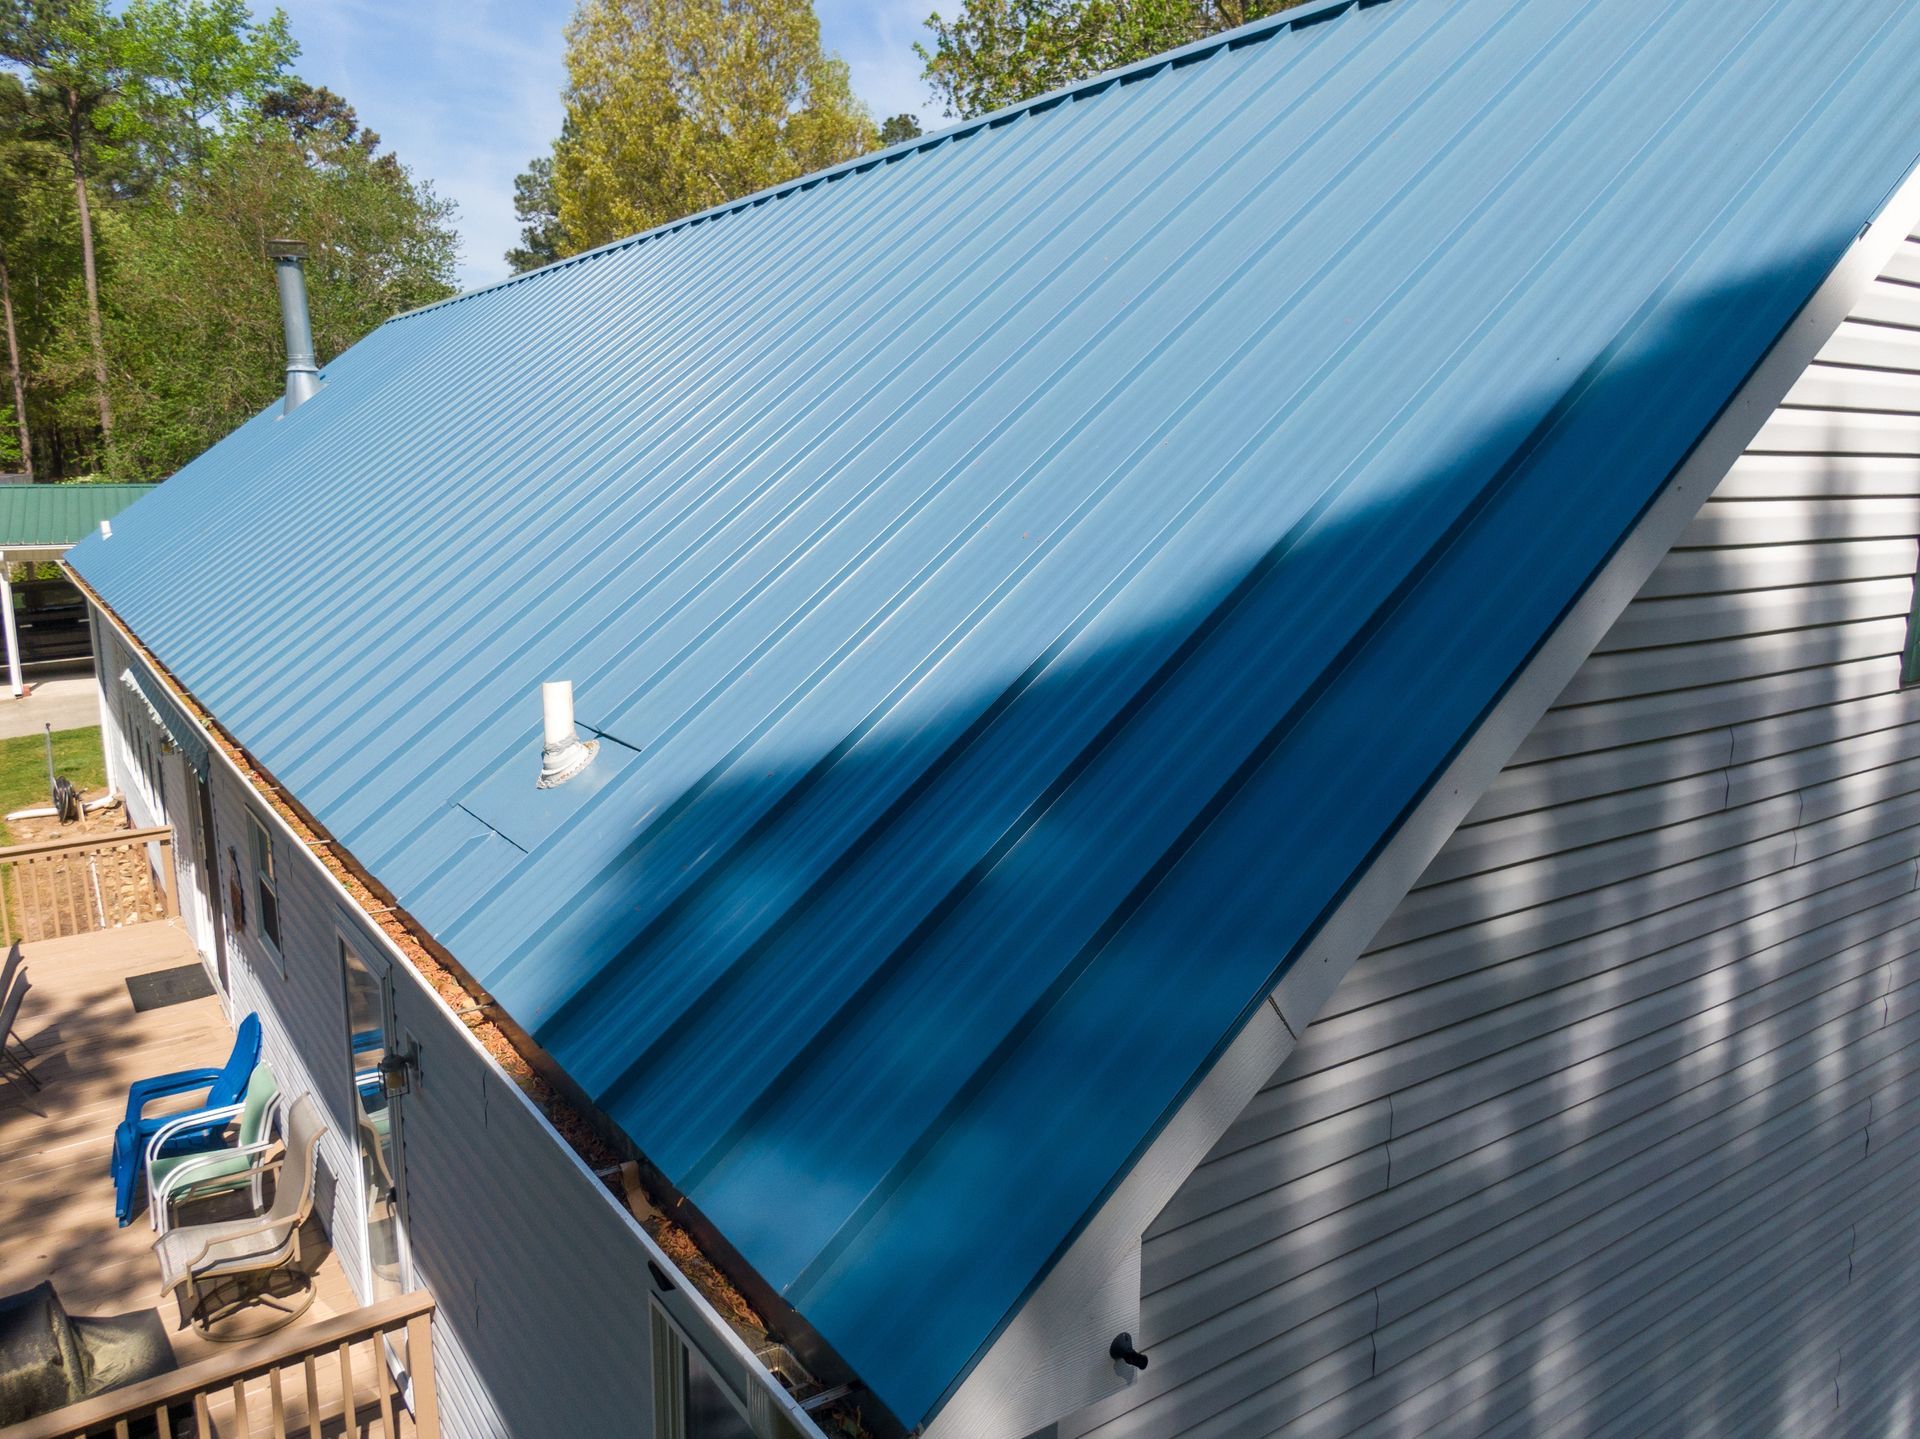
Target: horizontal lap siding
(303,1014)
(123,713)
(544,1286)
(537,1280)
(1614,1129)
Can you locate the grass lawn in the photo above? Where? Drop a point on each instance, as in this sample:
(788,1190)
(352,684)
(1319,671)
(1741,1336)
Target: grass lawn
(23,767)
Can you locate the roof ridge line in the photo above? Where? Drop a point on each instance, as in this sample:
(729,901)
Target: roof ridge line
(1292,18)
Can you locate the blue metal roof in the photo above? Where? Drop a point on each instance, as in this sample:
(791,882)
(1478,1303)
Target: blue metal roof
(1019,582)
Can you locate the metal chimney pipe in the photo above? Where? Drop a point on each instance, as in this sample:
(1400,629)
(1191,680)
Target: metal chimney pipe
(303,375)
(562,753)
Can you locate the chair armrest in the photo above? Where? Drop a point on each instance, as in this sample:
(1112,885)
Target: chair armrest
(227,1236)
(180,1183)
(162,1085)
(182,1123)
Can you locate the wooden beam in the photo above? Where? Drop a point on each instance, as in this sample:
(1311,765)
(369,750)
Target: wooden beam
(119,839)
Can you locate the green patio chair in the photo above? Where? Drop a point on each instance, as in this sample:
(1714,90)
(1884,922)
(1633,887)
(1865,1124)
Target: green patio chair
(198,1174)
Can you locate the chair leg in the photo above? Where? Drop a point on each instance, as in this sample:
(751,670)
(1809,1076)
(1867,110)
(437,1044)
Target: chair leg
(14,1036)
(209,1308)
(19,1068)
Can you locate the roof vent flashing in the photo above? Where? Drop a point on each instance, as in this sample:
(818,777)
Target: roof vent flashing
(563,754)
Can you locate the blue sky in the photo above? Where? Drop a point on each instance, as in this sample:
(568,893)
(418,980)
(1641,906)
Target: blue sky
(467,91)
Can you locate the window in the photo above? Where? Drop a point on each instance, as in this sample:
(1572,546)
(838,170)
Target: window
(1910,655)
(690,1400)
(710,1411)
(145,748)
(150,763)
(266,885)
(139,743)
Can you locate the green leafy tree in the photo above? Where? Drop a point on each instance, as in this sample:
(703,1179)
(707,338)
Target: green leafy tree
(68,47)
(316,118)
(135,94)
(186,69)
(994,53)
(677,105)
(50,369)
(193,317)
(16,441)
(898,129)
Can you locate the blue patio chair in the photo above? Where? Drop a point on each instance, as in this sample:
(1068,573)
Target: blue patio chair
(222,1089)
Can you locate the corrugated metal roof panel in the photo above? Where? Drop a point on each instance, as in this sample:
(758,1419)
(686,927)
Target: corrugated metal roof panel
(47,515)
(1032,573)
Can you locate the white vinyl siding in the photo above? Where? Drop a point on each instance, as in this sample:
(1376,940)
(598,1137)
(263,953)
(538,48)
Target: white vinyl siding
(537,1279)
(1613,1129)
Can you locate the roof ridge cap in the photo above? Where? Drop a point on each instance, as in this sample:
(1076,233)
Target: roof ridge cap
(1292,18)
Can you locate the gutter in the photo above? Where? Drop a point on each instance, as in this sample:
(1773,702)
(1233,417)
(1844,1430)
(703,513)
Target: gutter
(415,954)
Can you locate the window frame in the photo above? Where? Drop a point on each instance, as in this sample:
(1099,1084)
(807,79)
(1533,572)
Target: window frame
(136,728)
(266,887)
(1910,651)
(673,1351)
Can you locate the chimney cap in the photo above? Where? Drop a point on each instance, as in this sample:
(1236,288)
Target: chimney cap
(287,249)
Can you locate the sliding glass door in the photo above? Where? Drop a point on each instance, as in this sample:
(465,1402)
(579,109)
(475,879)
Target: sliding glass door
(376,1118)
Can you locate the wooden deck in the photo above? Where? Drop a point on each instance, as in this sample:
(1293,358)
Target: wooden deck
(56,1208)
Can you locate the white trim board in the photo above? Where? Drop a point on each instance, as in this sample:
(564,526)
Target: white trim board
(1051,1356)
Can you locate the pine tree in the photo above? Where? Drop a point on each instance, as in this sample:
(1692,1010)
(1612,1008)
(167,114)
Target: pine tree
(535,206)
(67,47)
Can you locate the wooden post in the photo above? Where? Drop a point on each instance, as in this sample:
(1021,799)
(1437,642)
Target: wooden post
(169,878)
(12,626)
(426,1402)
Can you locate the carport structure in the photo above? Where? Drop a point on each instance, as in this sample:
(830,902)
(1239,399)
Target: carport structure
(43,522)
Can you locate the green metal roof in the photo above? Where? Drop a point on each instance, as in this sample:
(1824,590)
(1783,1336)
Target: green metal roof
(60,514)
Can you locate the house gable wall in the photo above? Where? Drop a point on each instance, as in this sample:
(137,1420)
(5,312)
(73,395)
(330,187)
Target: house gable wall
(1613,1123)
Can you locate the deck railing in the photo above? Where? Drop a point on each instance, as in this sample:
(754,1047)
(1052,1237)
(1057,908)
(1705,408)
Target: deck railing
(59,887)
(278,1387)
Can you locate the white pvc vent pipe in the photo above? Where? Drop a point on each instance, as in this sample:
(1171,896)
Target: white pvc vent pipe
(563,754)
